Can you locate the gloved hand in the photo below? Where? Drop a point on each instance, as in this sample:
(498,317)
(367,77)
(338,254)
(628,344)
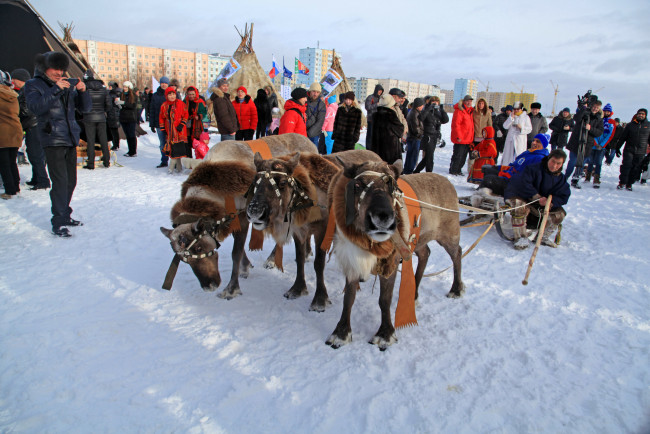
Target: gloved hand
(180,127)
(153,129)
(618,153)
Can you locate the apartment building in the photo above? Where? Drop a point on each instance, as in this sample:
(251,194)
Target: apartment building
(526,98)
(317,60)
(446,97)
(138,64)
(464,86)
(495,99)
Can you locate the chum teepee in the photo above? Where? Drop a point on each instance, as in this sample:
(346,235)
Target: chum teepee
(251,75)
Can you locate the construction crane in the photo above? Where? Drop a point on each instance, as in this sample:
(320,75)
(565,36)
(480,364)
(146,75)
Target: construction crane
(556,89)
(487,86)
(517,86)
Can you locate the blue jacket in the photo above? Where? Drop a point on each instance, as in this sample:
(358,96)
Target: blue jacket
(55,110)
(609,128)
(157,100)
(536,181)
(521,161)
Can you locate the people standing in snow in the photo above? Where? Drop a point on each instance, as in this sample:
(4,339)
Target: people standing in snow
(129,117)
(172,119)
(263,113)
(95,120)
(538,122)
(600,146)
(432,116)
(482,153)
(462,133)
(589,115)
(11,137)
(246,114)
(536,182)
(224,111)
(371,107)
(561,126)
(610,152)
(634,141)
(35,153)
(294,120)
(157,100)
(414,137)
(196,112)
(387,130)
(347,124)
(501,132)
(113,118)
(54,99)
(315,113)
(328,125)
(518,126)
(482,118)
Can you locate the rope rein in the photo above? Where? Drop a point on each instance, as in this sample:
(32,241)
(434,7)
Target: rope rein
(475,210)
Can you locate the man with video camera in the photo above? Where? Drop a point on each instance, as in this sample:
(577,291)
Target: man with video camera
(53,99)
(588,126)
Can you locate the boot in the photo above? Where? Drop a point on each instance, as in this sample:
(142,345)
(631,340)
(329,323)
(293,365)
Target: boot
(574,184)
(587,176)
(547,239)
(620,186)
(521,241)
(596,180)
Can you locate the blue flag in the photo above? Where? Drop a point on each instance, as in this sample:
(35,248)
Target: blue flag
(287,73)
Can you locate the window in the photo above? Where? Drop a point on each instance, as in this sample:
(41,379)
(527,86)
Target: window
(146,56)
(108,60)
(116,53)
(101,51)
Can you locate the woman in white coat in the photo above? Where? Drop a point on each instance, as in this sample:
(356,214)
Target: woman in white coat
(518,126)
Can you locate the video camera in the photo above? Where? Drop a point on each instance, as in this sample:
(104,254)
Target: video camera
(587,99)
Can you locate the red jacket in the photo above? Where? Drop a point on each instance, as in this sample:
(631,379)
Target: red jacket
(487,150)
(246,113)
(173,114)
(462,124)
(292,121)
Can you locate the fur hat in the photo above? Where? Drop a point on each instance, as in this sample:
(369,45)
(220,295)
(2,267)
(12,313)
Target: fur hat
(21,74)
(349,95)
(397,92)
(386,101)
(5,78)
(53,60)
(417,102)
(88,75)
(315,87)
(542,138)
(164,79)
(174,82)
(222,81)
(298,93)
(536,105)
(127,85)
(608,108)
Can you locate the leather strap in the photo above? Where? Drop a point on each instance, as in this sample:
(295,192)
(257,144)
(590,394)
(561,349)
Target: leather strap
(171,273)
(231,209)
(260,146)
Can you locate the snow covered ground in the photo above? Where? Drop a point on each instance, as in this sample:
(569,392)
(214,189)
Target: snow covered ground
(89,342)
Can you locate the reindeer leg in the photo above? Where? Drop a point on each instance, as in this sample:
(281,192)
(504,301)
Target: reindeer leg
(342,334)
(232,289)
(423,257)
(456,254)
(245,266)
(385,336)
(299,287)
(308,252)
(321,299)
(269,264)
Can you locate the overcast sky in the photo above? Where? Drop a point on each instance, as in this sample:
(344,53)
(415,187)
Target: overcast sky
(578,45)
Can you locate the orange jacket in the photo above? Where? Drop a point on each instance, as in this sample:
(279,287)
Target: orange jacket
(246,113)
(293,120)
(462,124)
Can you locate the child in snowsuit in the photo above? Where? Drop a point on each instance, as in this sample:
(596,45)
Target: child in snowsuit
(172,120)
(482,153)
(201,146)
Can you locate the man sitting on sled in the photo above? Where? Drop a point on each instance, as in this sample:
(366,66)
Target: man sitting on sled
(538,181)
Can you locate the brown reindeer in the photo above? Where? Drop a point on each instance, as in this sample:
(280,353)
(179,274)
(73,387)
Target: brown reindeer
(289,200)
(371,218)
(212,206)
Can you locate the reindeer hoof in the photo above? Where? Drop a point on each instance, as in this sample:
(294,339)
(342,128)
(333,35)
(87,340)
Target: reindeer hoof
(294,293)
(319,305)
(337,342)
(229,294)
(383,342)
(269,264)
(457,293)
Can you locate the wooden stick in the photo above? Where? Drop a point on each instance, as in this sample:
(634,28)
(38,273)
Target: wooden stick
(540,234)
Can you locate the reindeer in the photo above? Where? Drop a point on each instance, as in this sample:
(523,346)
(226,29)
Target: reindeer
(372,223)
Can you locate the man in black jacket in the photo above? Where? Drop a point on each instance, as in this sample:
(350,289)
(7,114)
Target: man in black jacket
(561,126)
(315,113)
(636,137)
(95,120)
(432,116)
(501,133)
(157,100)
(589,115)
(113,116)
(53,99)
(371,108)
(35,152)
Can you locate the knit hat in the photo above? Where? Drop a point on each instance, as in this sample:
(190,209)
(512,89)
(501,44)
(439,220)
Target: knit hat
(21,74)
(242,88)
(164,79)
(315,86)
(542,138)
(331,99)
(5,78)
(349,95)
(299,92)
(618,120)
(535,105)
(418,102)
(127,84)
(509,108)
(222,81)
(566,109)
(643,110)
(204,136)
(608,108)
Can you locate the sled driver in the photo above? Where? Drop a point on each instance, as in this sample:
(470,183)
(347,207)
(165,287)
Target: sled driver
(538,181)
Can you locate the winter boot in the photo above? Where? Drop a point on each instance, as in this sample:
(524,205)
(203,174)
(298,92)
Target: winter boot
(587,176)
(574,184)
(596,180)
(547,238)
(520,241)
(620,186)
(628,187)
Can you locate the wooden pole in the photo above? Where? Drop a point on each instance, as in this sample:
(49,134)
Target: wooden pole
(540,234)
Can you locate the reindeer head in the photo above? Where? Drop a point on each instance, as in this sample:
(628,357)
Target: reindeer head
(370,198)
(196,245)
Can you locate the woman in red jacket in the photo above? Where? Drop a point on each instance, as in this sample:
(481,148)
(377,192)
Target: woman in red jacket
(293,120)
(462,134)
(246,114)
(172,120)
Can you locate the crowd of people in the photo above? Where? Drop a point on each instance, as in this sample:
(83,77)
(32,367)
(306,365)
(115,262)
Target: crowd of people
(53,113)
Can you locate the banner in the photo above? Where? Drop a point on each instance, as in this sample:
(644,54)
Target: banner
(330,80)
(228,71)
(285,92)
(301,68)
(154,84)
